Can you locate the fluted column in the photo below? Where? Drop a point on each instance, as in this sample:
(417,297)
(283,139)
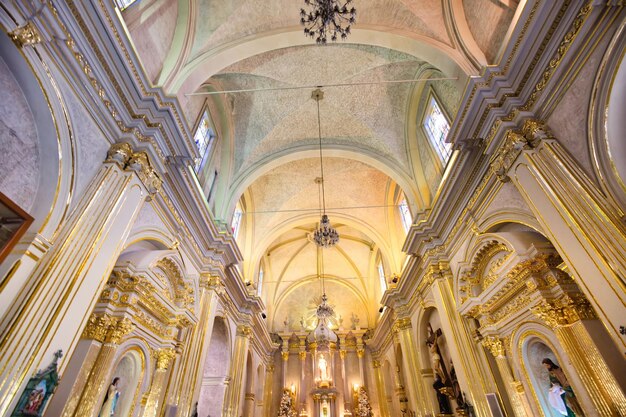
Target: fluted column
(163,359)
(496,347)
(114,330)
(59,294)
(346,386)
(380,387)
(567,316)
(285,355)
(574,214)
(301,393)
(360,353)
(237,368)
(416,390)
(460,344)
(195,347)
(267,389)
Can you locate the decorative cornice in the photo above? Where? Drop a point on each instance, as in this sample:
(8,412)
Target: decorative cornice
(122,155)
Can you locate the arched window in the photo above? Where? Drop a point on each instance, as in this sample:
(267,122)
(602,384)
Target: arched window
(437,127)
(236,223)
(381,276)
(204,139)
(405,214)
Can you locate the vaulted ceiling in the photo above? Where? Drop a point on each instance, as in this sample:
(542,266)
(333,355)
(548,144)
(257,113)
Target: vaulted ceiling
(374,148)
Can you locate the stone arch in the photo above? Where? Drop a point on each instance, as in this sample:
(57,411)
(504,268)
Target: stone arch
(215,369)
(447,59)
(483,270)
(129,367)
(606,124)
(533,375)
(37,125)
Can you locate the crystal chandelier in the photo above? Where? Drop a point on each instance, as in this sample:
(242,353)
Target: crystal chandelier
(325,235)
(327,18)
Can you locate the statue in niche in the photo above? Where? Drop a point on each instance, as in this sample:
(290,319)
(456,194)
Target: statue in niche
(110,401)
(442,398)
(302,323)
(286,323)
(561,395)
(435,354)
(323,367)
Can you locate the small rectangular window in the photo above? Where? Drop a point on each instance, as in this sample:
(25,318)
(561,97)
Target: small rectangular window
(405,215)
(437,128)
(259,283)
(123,4)
(204,138)
(236,223)
(381,276)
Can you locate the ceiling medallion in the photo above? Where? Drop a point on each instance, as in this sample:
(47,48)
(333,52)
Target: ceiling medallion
(325,235)
(327,18)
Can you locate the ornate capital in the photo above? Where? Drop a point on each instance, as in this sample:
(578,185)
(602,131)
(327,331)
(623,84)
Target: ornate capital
(376,363)
(244,330)
(285,355)
(342,354)
(119,153)
(565,310)
(164,357)
(302,354)
(535,131)
(360,351)
(403,323)
(97,327)
(270,368)
(119,330)
(25,35)
(495,345)
(514,142)
(140,163)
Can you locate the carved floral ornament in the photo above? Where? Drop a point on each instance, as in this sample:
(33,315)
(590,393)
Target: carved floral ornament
(126,158)
(164,357)
(565,310)
(495,345)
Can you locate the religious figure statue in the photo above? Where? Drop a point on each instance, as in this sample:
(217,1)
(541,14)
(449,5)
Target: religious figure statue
(456,388)
(323,366)
(435,357)
(561,389)
(442,398)
(110,400)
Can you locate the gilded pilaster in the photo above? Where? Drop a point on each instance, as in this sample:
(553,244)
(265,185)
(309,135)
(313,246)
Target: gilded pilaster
(237,369)
(66,278)
(267,389)
(163,359)
(567,316)
(380,387)
(100,375)
(497,349)
(576,217)
(416,390)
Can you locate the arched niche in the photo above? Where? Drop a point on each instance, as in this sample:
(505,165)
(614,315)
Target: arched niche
(215,370)
(607,123)
(129,369)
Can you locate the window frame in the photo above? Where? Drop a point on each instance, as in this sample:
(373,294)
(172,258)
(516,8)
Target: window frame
(405,225)
(119,5)
(380,268)
(235,227)
(432,97)
(213,137)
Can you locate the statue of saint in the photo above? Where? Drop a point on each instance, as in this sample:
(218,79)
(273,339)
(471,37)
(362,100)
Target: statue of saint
(110,400)
(565,392)
(321,363)
(435,357)
(442,398)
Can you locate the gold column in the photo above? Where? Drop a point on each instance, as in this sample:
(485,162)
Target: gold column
(114,330)
(346,386)
(237,368)
(360,353)
(496,347)
(403,329)
(301,393)
(267,389)
(566,315)
(380,387)
(163,358)
(62,288)
(193,347)
(585,228)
